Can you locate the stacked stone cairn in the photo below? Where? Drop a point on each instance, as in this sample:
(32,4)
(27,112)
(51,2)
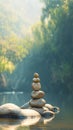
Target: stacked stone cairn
(37,102)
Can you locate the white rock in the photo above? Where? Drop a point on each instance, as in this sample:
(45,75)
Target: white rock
(13,111)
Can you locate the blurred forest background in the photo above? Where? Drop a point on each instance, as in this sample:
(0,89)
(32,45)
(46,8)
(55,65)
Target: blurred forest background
(41,43)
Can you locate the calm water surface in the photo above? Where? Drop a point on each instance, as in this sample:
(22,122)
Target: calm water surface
(62,121)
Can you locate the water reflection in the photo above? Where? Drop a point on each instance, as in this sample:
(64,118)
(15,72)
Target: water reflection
(6,124)
(18,98)
(62,121)
(10,124)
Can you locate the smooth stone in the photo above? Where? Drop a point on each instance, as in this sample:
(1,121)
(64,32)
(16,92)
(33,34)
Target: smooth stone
(49,106)
(36,80)
(52,108)
(45,108)
(37,94)
(44,113)
(10,110)
(36,75)
(36,86)
(40,110)
(37,102)
(48,114)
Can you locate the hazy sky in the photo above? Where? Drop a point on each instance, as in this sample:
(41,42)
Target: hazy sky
(19,15)
(31,9)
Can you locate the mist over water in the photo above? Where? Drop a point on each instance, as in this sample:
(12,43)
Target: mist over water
(21,80)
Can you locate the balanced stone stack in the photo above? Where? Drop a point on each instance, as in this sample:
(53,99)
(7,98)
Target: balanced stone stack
(37,95)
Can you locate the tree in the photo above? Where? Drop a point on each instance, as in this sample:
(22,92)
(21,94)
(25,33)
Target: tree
(54,58)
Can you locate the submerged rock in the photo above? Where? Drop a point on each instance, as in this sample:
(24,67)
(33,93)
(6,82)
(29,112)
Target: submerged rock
(48,114)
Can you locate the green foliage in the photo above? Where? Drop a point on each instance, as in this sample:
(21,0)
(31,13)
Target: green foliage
(14,44)
(50,45)
(53,37)
(11,51)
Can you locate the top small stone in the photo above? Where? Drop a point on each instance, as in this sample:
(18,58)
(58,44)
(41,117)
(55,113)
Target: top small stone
(36,75)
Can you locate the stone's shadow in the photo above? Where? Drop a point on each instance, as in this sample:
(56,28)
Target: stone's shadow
(13,124)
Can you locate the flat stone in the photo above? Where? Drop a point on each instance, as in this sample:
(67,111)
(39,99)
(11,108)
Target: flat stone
(37,94)
(40,110)
(36,86)
(52,108)
(38,103)
(36,80)
(49,106)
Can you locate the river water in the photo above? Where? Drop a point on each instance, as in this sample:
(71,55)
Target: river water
(62,121)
